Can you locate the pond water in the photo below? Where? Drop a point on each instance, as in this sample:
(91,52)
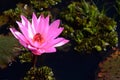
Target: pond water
(65,66)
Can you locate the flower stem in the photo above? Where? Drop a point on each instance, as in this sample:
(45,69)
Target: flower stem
(34,60)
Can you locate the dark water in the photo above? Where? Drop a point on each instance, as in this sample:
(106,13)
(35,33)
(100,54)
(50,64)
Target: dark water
(7,4)
(65,66)
(73,66)
(14,72)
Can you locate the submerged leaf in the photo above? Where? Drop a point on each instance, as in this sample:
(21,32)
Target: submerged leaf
(40,73)
(89,26)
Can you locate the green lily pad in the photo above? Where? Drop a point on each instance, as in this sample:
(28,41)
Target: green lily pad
(8,50)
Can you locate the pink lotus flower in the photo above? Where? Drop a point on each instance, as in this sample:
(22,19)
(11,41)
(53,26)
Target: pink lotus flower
(39,36)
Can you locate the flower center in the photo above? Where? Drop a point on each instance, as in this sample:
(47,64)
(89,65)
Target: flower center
(38,38)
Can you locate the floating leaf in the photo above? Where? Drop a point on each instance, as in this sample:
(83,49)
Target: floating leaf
(8,50)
